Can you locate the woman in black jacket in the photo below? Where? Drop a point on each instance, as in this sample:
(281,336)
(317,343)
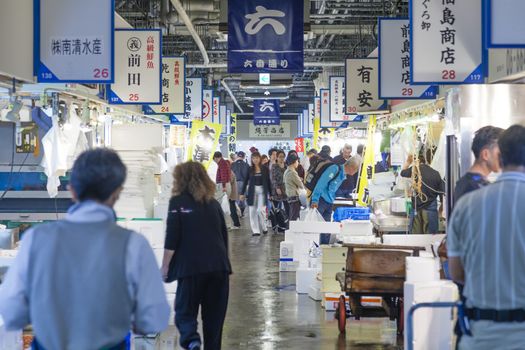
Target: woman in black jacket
(256,190)
(196,255)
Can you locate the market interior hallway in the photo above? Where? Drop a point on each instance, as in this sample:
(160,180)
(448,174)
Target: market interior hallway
(265,312)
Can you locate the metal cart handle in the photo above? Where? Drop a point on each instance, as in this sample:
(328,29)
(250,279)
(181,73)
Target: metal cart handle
(410,317)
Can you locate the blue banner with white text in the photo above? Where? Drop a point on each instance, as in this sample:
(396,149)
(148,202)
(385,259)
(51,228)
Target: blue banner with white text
(265,36)
(266,112)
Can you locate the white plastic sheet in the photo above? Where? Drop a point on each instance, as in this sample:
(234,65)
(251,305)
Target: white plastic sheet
(313,215)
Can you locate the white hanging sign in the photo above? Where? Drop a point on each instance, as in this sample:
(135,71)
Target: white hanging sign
(137,67)
(446,38)
(317,107)
(325,110)
(68,47)
(337,109)
(270,131)
(215,109)
(506,25)
(207,105)
(310,118)
(193,99)
(223,114)
(394,62)
(362,86)
(173,88)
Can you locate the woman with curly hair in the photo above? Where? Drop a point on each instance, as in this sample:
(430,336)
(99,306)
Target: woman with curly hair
(196,255)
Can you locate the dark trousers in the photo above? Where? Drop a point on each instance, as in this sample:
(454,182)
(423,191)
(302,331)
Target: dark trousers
(209,292)
(242,204)
(325,209)
(233,214)
(295,210)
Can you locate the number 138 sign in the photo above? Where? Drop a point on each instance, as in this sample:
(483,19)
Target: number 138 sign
(137,67)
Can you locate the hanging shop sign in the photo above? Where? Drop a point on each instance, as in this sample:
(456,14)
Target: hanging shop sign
(265,36)
(307,144)
(137,67)
(317,107)
(505,24)
(299,145)
(215,110)
(311,116)
(322,136)
(506,65)
(173,86)
(270,131)
(325,110)
(362,86)
(232,139)
(394,62)
(337,110)
(227,128)
(177,136)
(68,47)
(300,132)
(367,168)
(204,139)
(193,99)
(446,40)
(266,112)
(306,122)
(223,118)
(207,105)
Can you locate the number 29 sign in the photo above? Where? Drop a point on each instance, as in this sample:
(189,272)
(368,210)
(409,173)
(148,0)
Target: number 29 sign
(138,67)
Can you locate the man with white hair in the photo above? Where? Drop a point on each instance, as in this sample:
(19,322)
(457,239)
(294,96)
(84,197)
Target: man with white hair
(348,185)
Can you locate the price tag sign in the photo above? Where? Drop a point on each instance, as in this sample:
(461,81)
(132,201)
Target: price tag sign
(362,86)
(138,67)
(394,63)
(68,47)
(194,96)
(173,82)
(446,39)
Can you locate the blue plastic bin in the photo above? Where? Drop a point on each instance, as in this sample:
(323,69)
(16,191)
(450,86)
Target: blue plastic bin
(353,213)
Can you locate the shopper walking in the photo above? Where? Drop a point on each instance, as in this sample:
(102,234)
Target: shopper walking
(293,185)
(256,191)
(277,181)
(234,197)
(325,152)
(487,160)
(241,169)
(223,177)
(486,250)
(196,255)
(84,281)
(300,169)
(323,196)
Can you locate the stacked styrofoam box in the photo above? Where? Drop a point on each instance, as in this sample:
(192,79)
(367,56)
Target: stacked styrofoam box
(422,269)
(357,232)
(286,262)
(152,229)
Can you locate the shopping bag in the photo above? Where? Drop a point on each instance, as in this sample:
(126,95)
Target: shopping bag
(313,214)
(279,219)
(303,195)
(225,205)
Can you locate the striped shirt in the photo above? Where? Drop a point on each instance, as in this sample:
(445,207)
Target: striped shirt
(487,232)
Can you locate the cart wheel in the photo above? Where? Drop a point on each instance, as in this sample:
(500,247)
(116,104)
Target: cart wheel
(400,317)
(341,314)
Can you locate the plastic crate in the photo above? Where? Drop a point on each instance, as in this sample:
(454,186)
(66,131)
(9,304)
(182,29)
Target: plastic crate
(353,213)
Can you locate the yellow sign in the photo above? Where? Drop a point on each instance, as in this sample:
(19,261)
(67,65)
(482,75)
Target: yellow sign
(322,136)
(204,139)
(367,168)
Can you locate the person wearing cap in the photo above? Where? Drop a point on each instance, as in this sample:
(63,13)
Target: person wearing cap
(241,169)
(325,152)
(293,186)
(84,282)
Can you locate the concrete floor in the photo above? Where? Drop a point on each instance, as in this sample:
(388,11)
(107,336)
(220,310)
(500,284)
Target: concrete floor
(265,313)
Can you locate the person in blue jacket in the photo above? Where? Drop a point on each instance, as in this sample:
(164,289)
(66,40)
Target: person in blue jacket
(323,196)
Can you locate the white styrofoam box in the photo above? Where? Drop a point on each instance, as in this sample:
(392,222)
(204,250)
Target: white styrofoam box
(288,266)
(359,239)
(286,250)
(331,301)
(137,137)
(301,247)
(152,229)
(160,211)
(413,240)
(10,340)
(159,255)
(289,236)
(421,269)
(315,227)
(315,293)
(433,328)
(357,228)
(304,278)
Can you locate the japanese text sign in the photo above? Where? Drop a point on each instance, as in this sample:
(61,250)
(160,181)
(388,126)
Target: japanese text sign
(337,109)
(193,99)
(299,145)
(394,62)
(232,139)
(446,39)
(266,112)
(506,24)
(207,105)
(137,67)
(270,131)
(223,118)
(265,36)
(216,104)
(204,138)
(362,86)
(177,136)
(310,119)
(173,88)
(325,110)
(68,47)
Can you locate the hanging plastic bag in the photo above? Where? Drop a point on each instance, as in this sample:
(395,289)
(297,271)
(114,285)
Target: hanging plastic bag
(54,161)
(225,205)
(303,197)
(313,215)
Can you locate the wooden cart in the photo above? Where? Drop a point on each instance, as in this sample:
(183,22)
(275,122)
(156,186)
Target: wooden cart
(374,270)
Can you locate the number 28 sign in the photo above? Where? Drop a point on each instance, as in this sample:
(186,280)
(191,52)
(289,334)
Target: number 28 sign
(138,67)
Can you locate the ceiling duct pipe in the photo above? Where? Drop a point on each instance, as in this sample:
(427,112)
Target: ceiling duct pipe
(229,91)
(186,20)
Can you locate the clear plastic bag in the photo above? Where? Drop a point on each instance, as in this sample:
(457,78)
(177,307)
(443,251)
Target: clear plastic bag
(313,215)
(225,205)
